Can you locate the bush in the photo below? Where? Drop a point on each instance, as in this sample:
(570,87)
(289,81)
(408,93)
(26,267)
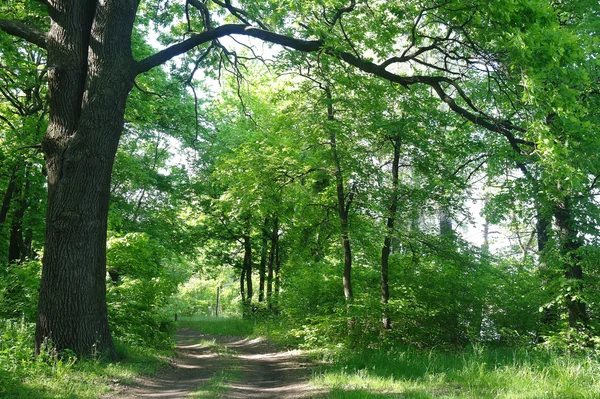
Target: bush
(19,289)
(140,286)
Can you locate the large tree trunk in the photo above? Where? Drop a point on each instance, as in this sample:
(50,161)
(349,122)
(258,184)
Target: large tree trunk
(90,76)
(387,242)
(570,242)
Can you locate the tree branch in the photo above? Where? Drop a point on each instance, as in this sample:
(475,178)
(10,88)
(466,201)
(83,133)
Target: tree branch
(225,30)
(200,6)
(308,46)
(28,33)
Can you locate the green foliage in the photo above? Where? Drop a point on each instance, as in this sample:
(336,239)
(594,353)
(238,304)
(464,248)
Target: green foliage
(234,326)
(143,281)
(478,372)
(49,376)
(19,285)
(198,296)
(196,176)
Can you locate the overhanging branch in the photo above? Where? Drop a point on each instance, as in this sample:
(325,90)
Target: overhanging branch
(474,115)
(28,33)
(225,30)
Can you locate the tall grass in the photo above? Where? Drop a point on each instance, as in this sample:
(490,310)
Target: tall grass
(478,373)
(23,375)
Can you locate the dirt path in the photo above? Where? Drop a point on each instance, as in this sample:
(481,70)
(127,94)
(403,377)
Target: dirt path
(210,366)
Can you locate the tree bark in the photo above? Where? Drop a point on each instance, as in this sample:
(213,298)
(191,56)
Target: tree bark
(9,194)
(18,249)
(445,223)
(272,260)
(569,244)
(243,286)
(263,262)
(387,242)
(277,276)
(248,269)
(542,225)
(90,76)
(343,207)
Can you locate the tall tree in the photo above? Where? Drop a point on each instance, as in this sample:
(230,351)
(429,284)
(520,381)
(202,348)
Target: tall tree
(92,70)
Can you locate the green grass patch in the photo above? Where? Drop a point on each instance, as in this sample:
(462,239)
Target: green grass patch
(219,325)
(473,374)
(23,375)
(218,384)
(221,350)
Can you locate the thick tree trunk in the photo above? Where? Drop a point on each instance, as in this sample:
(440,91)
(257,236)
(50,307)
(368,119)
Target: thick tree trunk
(569,244)
(387,242)
(90,76)
(542,225)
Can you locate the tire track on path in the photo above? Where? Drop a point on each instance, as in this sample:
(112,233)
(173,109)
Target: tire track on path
(231,368)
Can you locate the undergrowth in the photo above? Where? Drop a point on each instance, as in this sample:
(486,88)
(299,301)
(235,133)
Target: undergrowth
(340,371)
(479,372)
(48,376)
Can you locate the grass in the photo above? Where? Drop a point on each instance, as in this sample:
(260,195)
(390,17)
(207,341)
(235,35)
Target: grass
(479,373)
(48,377)
(218,384)
(476,373)
(219,325)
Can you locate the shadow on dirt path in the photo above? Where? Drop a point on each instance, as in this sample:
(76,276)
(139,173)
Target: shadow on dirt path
(210,366)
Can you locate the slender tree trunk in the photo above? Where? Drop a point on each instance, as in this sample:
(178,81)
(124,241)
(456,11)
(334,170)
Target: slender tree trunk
(445,223)
(248,269)
(263,262)
(272,260)
(218,301)
(343,207)
(91,73)
(387,242)
(9,194)
(277,275)
(541,226)
(243,286)
(18,249)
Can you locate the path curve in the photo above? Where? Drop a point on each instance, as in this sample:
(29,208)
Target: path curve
(243,368)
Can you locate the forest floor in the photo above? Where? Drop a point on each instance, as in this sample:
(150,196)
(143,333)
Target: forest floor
(229,367)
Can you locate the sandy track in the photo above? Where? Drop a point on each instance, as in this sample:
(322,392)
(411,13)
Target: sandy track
(249,369)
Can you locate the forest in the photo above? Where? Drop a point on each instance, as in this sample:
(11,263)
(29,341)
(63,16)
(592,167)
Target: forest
(389,186)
